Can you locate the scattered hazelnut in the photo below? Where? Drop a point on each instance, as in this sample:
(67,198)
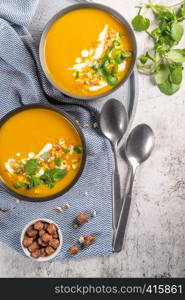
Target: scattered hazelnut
(51,228)
(85,125)
(81,240)
(46,237)
(42,243)
(73,250)
(27,241)
(88,240)
(38,225)
(36,253)
(54,243)
(18,201)
(31,232)
(86,193)
(93,213)
(33,247)
(49,250)
(82,218)
(95,125)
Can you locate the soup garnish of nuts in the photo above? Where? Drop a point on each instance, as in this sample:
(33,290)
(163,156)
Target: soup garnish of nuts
(47,167)
(41,239)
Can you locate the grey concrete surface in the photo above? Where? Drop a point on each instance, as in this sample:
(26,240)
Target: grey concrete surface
(155,239)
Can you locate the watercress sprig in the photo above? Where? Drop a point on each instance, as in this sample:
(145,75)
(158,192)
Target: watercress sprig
(163,62)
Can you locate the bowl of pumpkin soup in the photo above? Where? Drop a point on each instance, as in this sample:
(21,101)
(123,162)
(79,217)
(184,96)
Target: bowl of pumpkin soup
(87,50)
(42,152)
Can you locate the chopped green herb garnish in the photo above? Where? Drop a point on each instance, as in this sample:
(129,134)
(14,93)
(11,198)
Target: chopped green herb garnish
(77,74)
(50,176)
(78,149)
(66,151)
(18,185)
(112,80)
(33,182)
(45,156)
(58,162)
(121,34)
(116,43)
(32,166)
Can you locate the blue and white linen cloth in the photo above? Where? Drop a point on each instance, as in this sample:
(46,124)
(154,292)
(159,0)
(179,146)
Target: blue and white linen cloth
(23,82)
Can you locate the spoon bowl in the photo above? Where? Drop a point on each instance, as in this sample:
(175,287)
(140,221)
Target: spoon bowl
(113,120)
(139,145)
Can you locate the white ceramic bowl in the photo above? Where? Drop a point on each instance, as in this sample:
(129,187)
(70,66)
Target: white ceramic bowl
(46,258)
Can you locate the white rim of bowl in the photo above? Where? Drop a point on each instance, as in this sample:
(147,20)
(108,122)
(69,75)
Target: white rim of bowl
(46,258)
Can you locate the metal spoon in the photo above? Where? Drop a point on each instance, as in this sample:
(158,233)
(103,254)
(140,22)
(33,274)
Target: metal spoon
(113,123)
(139,146)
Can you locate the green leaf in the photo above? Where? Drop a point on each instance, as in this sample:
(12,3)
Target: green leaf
(57,174)
(31,167)
(177,31)
(116,43)
(168,88)
(78,149)
(18,185)
(58,162)
(45,156)
(119,59)
(33,182)
(156,33)
(140,23)
(162,74)
(176,55)
(176,75)
(112,80)
(102,72)
(66,151)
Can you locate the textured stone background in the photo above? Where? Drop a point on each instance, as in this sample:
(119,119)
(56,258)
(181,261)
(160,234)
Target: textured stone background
(155,240)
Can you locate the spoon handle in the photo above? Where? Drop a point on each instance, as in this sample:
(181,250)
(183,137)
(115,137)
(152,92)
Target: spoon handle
(120,232)
(116,197)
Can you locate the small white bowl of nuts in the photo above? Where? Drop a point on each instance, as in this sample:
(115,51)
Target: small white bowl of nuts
(41,240)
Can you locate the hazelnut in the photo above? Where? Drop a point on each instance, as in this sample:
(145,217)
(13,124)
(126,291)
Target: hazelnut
(38,225)
(42,243)
(49,250)
(54,243)
(36,253)
(33,247)
(41,232)
(81,240)
(55,236)
(45,226)
(51,228)
(82,218)
(46,237)
(27,241)
(42,252)
(88,240)
(73,250)
(31,232)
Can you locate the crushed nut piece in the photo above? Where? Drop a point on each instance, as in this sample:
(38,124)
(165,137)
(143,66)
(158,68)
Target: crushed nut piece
(86,193)
(58,208)
(75,226)
(77,121)
(73,250)
(85,125)
(81,240)
(18,201)
(93,213)
(66,205)
(82,219)
(95,125)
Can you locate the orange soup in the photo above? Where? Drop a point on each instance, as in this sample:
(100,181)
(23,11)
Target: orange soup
(87,52)
(40,152)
